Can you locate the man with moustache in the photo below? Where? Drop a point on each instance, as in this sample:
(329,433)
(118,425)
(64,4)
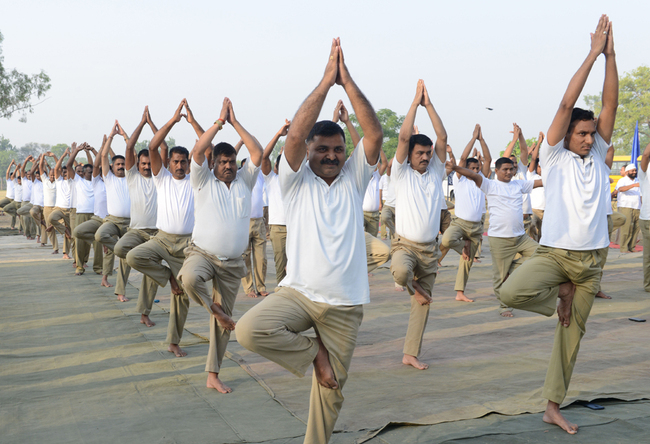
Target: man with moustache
(49,198)
(59,219)
(629,205)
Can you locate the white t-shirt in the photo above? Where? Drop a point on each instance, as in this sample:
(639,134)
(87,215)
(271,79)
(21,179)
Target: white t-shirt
(117,195)
(49,193)
(504,203)
(63,192)
(27,190)
(626,199)
(257,198)
(11,188)
(223,214)
(100,208)
(37,193)
(175,203)
(276,205)
(371,198)
(537,199)
(522,174)
(18,197)
(470,200)
(644,180)
(418,200)
(575,217)
(144,199)
(85,195)
(387,191)
(326,247)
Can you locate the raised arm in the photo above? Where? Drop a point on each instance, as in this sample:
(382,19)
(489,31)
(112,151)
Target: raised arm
(97,163)
(607,116)
(295,147)
(534,154)
(129,154)
(516,131)
(468,148)
(192,121)
(441,133)
(486,161)
(205,140)
(406,130)
(609,157)
(267,167)
(384,163)
(341,113)
(164,149)
(106,165)
(73,155)
(159,138)
(253,146)
(562,120)
(450,165)
(645,158)
(58,167)
(523,149)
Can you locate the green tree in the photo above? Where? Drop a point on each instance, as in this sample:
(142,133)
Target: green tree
(516,151)
(58,149)
(18,89)
(634,106)
(390,124)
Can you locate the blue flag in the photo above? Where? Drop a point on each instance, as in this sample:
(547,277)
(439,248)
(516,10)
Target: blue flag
(636,152)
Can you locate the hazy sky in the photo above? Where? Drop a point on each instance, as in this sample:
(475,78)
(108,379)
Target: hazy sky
(108,60)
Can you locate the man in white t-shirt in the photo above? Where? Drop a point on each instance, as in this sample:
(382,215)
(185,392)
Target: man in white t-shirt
(59,219)
(629,205)
(26,206)
(277,221)
(175,222)
(119,207)
(326,283)
(37,205)
(537,199)
(416,175)
(566,265)
(521,169)
(9,196)
(221,233)
(466,230)
(144,209)
(644,216)
(49,198)
(371,200)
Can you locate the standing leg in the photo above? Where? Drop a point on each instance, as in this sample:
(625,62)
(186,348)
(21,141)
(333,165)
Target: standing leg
(279,243)
(645,231)
(261,263)
(503,253)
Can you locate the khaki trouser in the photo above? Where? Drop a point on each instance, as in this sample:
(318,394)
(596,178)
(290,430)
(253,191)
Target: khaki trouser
(272,329)
(102,263)
(28,221)
(256,239)
(11,209)
(47,212)
(4,203)
(445,220)
(382,225)
(199,268)
(377,252)
(148,288)
(73,225)
(37,214)
(388,219)
(645,231)
(454,238)
(536,225)
(504,250)
(279,243)
(618,220)
(528,222)
(82,250)
(147,259)
(371,222)
(630,230)
(108,234)
(419,261)
(61,214)
(534,287)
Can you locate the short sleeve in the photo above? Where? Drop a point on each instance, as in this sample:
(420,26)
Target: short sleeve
(486,185)
(550,155)
(398,171)
(290,180)
(249,174)
(162,175)
(527,186)
(436,166)
(358,168)
(200,174)
(131,174)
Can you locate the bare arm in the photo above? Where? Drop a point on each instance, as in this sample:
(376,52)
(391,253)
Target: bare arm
(159,137)
(607,116)
(468,148)
(205,140)
(266,156)
(477,178)
(73,155)
(645,158)
(164,149)
(13,162)
(341,113)
(129,154)
(609,158)
(406,130)
(485,162)
(384,163)
(515,136)
(535,152)
(629,187)
(253,146)
(562,119)
(192,121)
(106,166)
(58,167)
(98,158)
(438,127)
(538,183)
(523,149)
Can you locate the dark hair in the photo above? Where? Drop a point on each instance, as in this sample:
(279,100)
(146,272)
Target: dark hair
(88,165)
(243,161)
(419,139)
(117,157)
(577,115)
(325,128)
(501,161)
(180,150)
(277,161)
(64,167)
(144,153)
(223,149)
(470,160)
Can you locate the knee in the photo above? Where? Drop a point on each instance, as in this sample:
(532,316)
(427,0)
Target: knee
(508,294)
(132,258)
(120,250)
(401,274)
(246,332)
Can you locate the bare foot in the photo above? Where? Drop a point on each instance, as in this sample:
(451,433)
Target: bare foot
(602,295)
(38,239)
(507,314)
(105,248)
(552,415)
(252,294)
(223,319)
(415,362)
(565,295)
(175,349)
(55,252)
(466,250)
(420,295)
(49,229)
(105,282)
(477,261)
(215,383)
(144,319)
(122,298)
(399,287)
(323,368)
(79,272)
(175,288)
(74,264)
(65,256)
(460,296)
(43,245)
(264,293)
(370,275)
